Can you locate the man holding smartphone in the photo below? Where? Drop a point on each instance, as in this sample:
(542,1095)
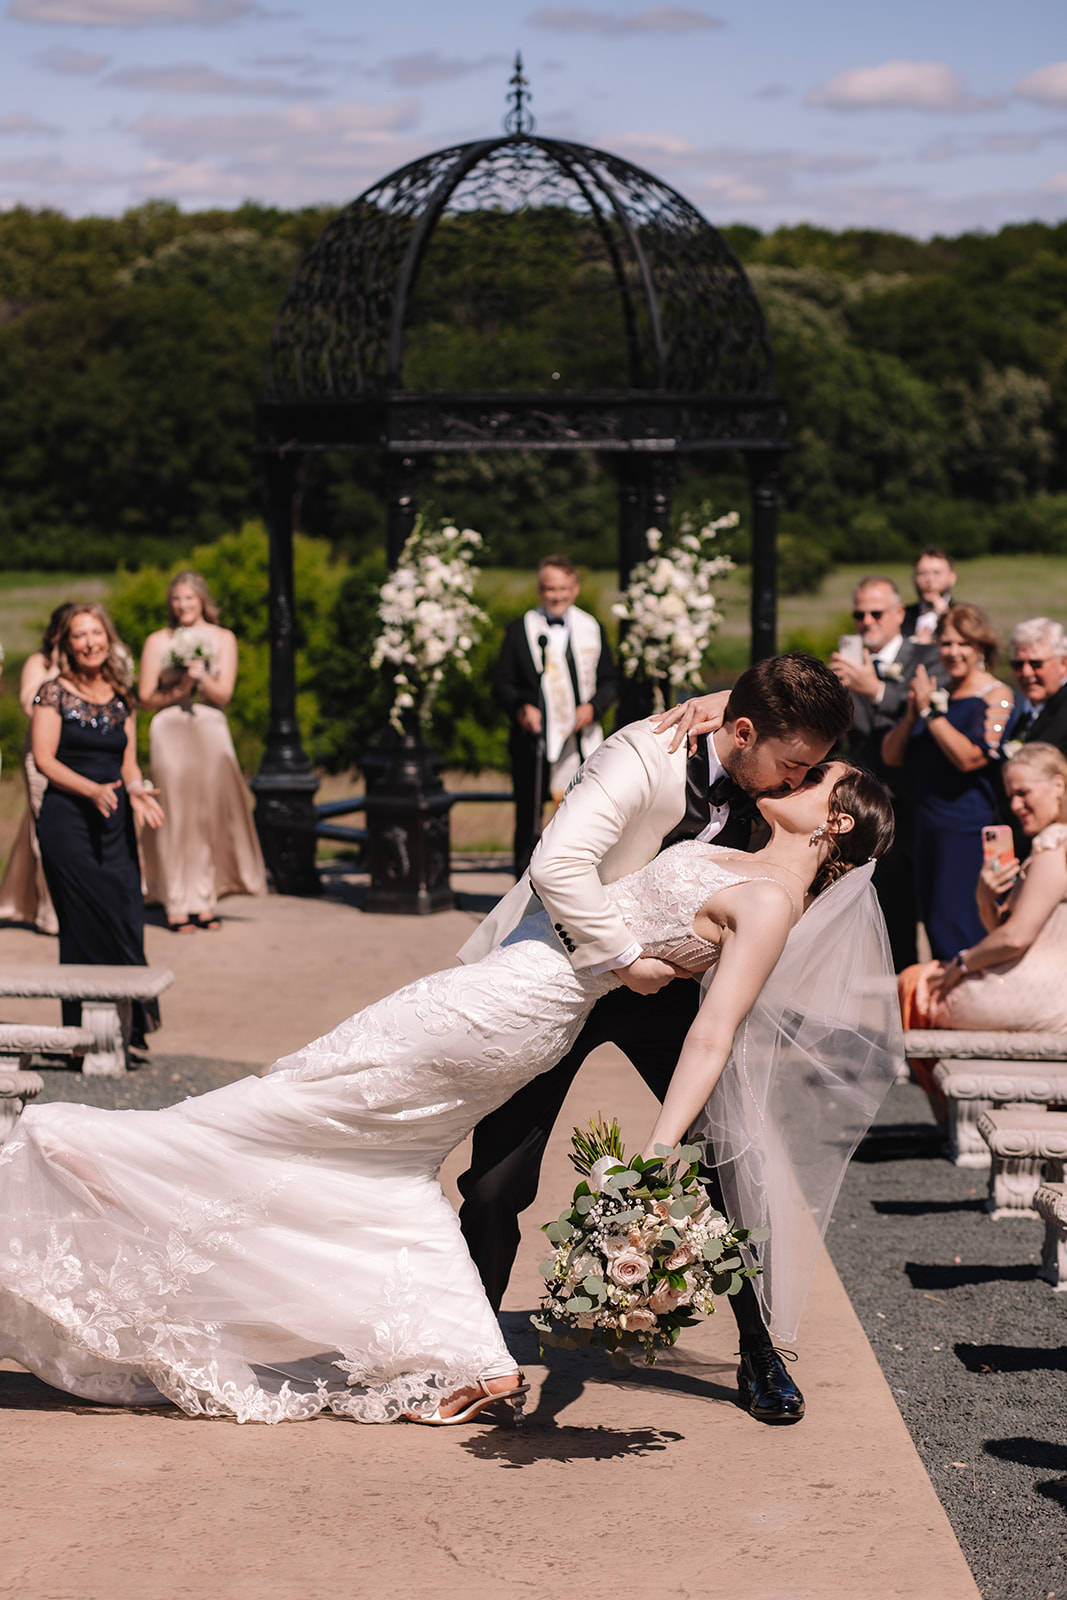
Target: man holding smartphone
(876,664)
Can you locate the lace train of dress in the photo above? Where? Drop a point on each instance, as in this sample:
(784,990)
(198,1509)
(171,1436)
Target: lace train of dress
(281,1246)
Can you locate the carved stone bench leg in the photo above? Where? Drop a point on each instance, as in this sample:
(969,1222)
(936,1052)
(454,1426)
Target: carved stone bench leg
(109,1023)
(1014,1182)
(1050,1202)
(966,1146)
(16,1087)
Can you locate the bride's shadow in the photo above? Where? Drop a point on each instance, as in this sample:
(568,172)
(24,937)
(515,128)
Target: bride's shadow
(543,1437)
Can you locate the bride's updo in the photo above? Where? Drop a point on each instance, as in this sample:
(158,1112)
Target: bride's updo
(867,801)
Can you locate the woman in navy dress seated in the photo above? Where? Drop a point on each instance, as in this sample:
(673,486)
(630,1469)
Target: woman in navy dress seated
(942,742)
(84,744)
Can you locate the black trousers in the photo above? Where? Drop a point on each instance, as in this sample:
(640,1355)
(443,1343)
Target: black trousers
(510,1143)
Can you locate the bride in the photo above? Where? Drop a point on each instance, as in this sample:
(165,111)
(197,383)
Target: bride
(281,1246)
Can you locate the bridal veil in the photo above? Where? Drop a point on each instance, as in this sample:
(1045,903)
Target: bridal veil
(809,1068)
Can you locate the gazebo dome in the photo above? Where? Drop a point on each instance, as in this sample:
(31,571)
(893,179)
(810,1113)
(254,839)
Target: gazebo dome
(455,263)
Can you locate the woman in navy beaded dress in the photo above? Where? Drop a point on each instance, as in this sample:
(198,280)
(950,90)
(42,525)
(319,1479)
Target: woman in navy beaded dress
(84,744)
(951,766)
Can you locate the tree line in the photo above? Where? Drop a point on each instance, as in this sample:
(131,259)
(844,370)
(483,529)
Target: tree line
(926,385)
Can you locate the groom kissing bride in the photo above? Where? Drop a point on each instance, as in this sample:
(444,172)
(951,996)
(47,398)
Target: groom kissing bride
(281,1246)
(645,788)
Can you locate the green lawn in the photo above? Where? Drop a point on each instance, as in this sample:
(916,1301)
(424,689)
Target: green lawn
(28,598)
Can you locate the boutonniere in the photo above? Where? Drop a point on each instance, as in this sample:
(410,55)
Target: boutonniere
(939,701)
(890,671)
(1009,751)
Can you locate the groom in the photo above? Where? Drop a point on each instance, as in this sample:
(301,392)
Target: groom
(632,798)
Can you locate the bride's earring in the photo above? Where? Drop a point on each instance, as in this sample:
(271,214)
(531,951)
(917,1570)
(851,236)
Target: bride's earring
(818,833)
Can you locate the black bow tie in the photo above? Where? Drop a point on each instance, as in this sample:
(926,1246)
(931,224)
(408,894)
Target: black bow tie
(556,622)
(725,792)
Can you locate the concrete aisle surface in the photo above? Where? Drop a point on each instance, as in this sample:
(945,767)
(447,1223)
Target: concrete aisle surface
(652,1482)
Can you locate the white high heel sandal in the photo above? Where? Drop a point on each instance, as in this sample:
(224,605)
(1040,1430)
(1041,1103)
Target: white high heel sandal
(515,1398)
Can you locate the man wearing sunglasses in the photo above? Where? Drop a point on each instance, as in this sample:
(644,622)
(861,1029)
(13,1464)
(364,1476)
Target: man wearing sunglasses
(879,688)
(1038,654)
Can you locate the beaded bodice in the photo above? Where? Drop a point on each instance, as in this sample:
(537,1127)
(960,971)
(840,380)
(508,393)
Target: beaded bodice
(660,900)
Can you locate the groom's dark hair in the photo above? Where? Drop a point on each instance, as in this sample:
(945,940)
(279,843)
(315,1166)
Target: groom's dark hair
(789,694)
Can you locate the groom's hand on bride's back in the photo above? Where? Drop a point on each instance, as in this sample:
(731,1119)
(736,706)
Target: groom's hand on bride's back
(648,975)
(702,714)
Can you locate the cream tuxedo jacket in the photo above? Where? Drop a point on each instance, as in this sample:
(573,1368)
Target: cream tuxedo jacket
(626,798)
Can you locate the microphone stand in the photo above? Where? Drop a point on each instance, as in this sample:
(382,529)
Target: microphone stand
(539,745)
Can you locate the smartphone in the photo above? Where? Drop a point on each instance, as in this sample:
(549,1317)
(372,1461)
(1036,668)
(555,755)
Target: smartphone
(850,645)
(998,846)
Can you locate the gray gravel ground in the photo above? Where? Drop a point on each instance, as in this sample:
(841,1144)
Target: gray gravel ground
(971,1341)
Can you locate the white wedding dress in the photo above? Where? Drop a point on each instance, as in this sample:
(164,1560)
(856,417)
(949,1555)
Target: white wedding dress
(281,1246)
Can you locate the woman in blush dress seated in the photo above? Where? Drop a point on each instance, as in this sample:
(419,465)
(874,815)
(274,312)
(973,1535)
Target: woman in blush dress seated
(24,895)
(1014,977)
(84,744)
(208,848)
(282,1246)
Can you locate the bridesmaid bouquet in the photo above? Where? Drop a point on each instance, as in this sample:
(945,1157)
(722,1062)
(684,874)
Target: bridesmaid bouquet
(639,1253)
(189,644)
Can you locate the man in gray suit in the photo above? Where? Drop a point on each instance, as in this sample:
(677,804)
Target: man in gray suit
(879,687)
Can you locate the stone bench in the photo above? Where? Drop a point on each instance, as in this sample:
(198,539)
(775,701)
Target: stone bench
(1050,1202)
(978,1070)
(19,1043)
(1026,1146)
(107,995)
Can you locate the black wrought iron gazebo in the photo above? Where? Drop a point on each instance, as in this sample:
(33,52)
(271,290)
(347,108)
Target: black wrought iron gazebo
(659,352)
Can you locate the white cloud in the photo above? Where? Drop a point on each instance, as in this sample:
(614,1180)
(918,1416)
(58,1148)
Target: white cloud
(1056,184)
(661,150)
(76,63)
(191,77)
(900,86)
(953,148)
(294,156)
(429,66)
(1048,85)
(656,19)
(128,13)
(16,122)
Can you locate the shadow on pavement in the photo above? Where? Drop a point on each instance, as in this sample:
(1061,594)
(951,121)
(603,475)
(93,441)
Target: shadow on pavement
(924,1208)
(924,1276)
(1039,1453)
(541,1441)
(1011,1358)
(901,1142)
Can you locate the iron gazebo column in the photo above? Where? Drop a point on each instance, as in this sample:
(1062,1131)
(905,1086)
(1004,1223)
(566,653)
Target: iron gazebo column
(285,785)
(408,843)
(763,466)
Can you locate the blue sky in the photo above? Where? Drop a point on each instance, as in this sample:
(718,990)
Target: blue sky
(924,117)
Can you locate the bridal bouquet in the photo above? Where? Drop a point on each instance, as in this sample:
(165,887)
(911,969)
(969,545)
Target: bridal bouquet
(428,615)
(639,1253)
(670,607)
(190,644)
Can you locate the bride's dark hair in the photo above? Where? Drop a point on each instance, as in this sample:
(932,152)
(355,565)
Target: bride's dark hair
(867,801)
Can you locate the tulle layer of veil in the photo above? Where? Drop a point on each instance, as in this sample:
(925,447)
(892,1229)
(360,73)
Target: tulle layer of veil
(809,1068)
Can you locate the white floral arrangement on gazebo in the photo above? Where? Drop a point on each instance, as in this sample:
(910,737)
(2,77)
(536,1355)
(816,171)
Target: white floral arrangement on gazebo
(429,616)
(671,607)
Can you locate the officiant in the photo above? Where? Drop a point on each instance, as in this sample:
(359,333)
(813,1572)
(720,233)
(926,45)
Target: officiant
(555,677)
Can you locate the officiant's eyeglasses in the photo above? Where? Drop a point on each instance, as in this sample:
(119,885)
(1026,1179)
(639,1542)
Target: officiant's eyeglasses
(859,616)
(1035,666)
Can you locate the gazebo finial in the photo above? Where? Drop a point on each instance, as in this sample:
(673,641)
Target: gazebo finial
(520,118)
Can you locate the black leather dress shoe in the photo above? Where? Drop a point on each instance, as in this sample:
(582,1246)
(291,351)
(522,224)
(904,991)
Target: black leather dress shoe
(765,1387)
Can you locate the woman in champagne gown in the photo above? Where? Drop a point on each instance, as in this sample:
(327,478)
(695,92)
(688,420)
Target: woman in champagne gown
(208,848)
(281,1246)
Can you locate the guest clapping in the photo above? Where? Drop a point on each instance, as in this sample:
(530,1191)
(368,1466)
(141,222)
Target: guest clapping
(84,744)
(942,740)
(209,847)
